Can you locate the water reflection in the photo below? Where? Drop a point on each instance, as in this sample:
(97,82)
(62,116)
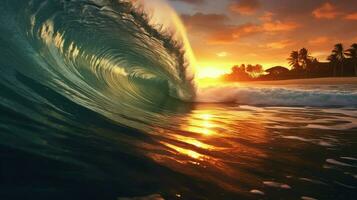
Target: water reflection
(244,149)
(210,144)
(201,123)
(187,152)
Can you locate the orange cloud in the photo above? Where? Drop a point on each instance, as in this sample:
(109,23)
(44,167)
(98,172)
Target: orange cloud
(279,26)
(272,30)
(245,7)
(326,11)
(230,34)
(267,16)
(222,54)
(319,40)
(204,21)
(279,44)
(352,16)
(216,29)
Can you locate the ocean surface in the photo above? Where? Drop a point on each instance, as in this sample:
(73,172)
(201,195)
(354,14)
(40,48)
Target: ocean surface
(98,102)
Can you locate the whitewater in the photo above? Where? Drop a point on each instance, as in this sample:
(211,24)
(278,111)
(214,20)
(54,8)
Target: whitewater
(296,93)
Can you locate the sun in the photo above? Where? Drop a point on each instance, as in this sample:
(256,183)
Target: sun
(209,75)
(211,68)
(209,72)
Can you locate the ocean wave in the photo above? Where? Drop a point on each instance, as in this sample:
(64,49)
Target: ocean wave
(277,96)
(112,57)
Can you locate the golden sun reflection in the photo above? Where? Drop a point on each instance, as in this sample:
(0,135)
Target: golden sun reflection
(201,123)
(205,116)
(186,152)
(211,140)
(194,142)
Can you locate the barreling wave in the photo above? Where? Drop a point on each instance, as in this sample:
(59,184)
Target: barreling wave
(106,55)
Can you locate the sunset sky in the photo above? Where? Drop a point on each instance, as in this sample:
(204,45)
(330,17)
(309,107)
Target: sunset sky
(228,32)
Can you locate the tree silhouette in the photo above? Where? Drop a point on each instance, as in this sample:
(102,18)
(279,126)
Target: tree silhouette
(278,70)
(254,70)
(304,58)
(294,60)
(333,62)
(352,54)
(302,66)
(340,55)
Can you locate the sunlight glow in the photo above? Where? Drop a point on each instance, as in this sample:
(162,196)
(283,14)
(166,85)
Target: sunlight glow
(186,152)
(209,72)
(200,123)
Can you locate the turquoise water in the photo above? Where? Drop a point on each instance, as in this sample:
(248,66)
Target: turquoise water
(97,103)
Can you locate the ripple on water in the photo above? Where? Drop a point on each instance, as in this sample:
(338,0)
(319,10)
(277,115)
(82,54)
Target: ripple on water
(150,197)
(255,191)
(336,162)
(307,198)
(312,181)
(345,185)
(349,158)
(276,184)
(319,142)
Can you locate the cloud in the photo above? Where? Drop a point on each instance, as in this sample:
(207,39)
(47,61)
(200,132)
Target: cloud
(276,26)
(352,16)
(222,54)
(267,16)
(315,24)
(244,7)
(191,1)
(319,40)
(216,28)
(326,11)
(204,21)
(229,34)
(279,44)
(233,33)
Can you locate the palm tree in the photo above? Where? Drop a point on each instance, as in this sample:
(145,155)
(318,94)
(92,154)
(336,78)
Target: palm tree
(333,61)
(294,60)
(352,53)
(304,57)
(340,55)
